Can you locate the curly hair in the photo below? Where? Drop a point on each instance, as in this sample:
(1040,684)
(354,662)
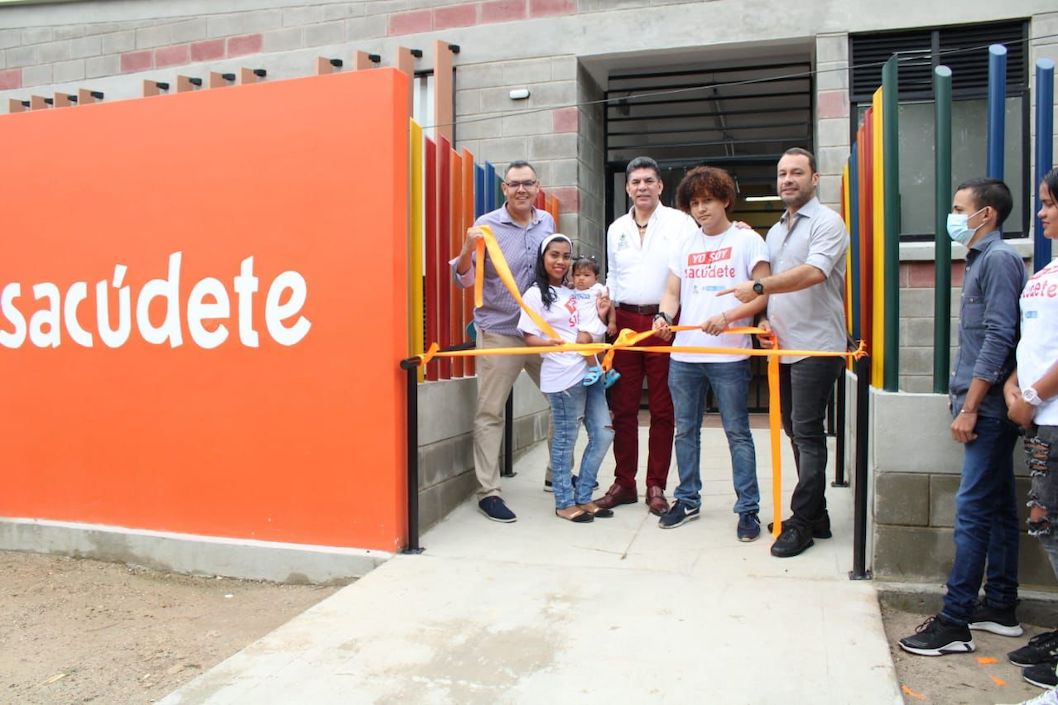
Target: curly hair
(704,182)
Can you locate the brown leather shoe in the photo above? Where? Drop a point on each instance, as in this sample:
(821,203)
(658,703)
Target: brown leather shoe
(616,496)
(656,501)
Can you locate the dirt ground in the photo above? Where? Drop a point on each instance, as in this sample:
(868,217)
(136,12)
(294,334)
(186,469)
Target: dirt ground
(82,631)
(984,677)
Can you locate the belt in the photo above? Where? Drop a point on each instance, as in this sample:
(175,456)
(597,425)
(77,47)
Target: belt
(648,310)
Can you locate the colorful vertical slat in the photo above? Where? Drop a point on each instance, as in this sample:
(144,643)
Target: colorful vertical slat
(444,232)
(855,243)
(431,291)
(488,187)
(878,228)
(416,234)
(455,241)
(469,198)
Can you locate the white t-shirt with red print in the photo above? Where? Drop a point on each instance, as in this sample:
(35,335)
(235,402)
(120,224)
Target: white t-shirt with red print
(1038,348)
(558,371)
(707,264)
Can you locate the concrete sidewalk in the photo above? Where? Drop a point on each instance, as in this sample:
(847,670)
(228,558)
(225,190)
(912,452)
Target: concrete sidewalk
(616,611)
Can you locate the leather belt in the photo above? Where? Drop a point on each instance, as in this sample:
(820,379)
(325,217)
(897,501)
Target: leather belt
(649,310)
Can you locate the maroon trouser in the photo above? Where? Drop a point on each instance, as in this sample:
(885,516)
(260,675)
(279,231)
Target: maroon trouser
(624,402)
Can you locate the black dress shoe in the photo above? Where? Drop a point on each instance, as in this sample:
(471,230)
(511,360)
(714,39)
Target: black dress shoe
(793,540)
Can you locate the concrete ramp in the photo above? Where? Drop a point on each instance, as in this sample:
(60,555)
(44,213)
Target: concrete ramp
(617,611)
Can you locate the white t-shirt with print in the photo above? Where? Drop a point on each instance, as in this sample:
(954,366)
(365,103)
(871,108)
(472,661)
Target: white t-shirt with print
(558,371)
(1038,349)
(707,264)
(588,306)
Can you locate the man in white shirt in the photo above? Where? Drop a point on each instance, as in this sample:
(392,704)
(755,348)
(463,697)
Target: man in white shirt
(639,245)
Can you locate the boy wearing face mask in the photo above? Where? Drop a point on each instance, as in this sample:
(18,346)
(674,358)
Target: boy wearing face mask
(986,521)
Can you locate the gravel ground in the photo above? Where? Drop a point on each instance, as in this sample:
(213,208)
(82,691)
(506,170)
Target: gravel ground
(82,631)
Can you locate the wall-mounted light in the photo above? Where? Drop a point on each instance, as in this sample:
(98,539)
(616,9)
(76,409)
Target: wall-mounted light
(757,199)
(519,94)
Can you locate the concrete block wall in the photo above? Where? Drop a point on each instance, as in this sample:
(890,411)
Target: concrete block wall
(913,505)
(544,129)
(832,134)
(446,441)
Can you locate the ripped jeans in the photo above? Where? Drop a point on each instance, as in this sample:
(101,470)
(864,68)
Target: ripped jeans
(1041,455)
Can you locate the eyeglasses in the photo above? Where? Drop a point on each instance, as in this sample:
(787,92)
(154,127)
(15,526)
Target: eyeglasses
(515,185)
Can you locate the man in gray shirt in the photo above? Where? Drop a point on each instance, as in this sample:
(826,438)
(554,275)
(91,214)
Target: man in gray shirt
(807,312)
(519,229)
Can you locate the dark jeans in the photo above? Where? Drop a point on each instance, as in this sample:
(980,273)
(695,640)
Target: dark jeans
(986,523)
(804,389)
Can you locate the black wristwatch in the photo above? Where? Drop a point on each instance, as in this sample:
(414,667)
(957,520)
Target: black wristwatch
(664,316)
(758,288)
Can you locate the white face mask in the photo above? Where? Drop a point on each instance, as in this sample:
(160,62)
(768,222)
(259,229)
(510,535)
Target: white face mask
(957,229)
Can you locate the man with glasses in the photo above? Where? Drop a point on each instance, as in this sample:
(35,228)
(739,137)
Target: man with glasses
(638,246)
(519,229)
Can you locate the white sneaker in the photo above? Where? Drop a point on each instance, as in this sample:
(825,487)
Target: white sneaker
(1048,698)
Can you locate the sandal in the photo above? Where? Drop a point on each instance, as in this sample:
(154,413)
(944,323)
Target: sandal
(610,379)
(596,511)
(594,373)
(575,514)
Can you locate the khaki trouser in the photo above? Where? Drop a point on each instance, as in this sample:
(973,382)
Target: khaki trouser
(496,376)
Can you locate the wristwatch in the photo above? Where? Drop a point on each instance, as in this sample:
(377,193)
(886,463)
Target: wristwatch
(1031,397)
(758,288)
(664,316)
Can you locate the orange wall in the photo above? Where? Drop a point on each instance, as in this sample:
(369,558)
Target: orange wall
(301,442)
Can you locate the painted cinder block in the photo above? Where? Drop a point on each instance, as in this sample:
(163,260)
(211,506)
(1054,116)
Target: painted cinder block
(901,498)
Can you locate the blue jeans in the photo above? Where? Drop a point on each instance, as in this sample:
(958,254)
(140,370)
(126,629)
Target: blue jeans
(568,408)
(688,384)
(986,523)
(1043,496)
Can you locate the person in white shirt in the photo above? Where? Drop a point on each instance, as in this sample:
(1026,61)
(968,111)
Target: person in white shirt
(710,263)
(639,245)
(561,380)
(1031,394)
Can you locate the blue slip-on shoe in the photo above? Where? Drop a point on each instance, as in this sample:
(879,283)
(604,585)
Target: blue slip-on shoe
(610,379)
(496,509)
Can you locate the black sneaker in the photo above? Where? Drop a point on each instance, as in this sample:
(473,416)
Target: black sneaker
(679,514)
(1042,648)
(1003,622)
(748,526)
(935,637)
(496,509)
(1041,675)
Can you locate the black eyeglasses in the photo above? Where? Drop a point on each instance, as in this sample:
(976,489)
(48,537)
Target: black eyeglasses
(515,185)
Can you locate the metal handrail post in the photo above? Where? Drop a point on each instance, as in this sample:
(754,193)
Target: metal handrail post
(859,530)
(410,366)
(839,432)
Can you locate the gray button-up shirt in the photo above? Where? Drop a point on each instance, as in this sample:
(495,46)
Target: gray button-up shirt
(812,318)
(500,311)
(988,322)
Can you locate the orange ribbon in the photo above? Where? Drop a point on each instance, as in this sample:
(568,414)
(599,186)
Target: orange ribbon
(628,339)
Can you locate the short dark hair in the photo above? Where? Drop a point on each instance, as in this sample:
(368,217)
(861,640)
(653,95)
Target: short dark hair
(804,153)
(583,262)
(705,182)
(642,163)
(518,164)
(989,192)
(1051,179)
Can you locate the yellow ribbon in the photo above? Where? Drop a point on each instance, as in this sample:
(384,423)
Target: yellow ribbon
(627,339)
